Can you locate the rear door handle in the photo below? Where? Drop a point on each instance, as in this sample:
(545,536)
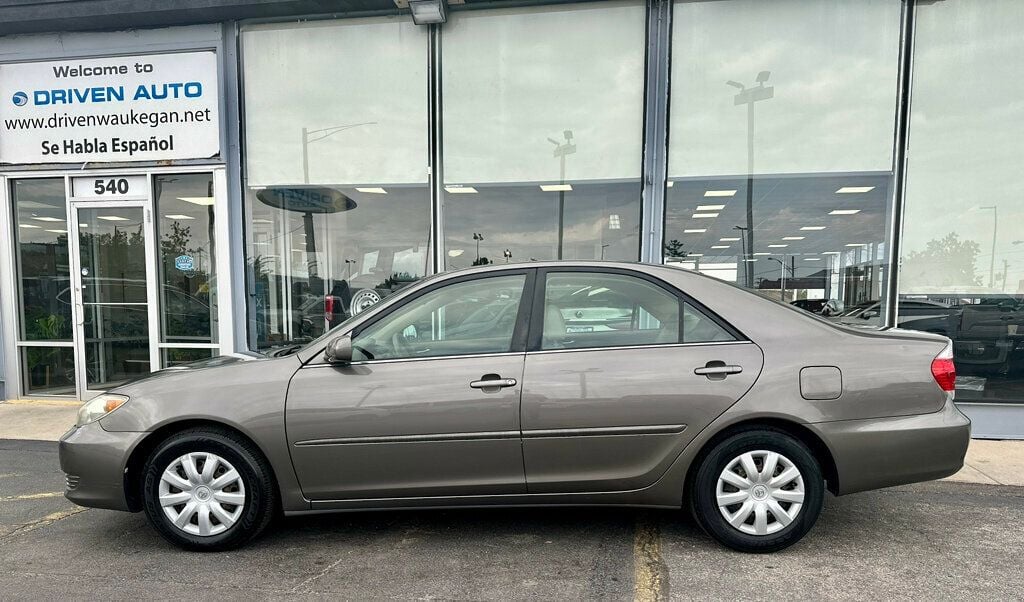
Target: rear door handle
(717,370)
(493,383)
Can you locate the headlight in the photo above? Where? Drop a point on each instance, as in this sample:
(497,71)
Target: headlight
(99,406)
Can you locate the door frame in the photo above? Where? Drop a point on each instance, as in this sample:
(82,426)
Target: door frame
(10,331)
(152,284)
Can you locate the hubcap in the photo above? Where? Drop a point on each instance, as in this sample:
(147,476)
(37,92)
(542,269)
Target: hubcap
(202,494)
(760,492)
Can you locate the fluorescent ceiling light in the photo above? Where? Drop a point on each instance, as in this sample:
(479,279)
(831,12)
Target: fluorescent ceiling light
(58,231)
(719,193)
(206,201)
(857,244)
(844,212)
(719,246)
(700,215)
(710,207)
(28,226)
(83,225)
(831,253)
(694,255)
(670,183)
(854,189)
(729,239)
(793,237)
(262,221)
(762,253)
(178,216)
(372,190)
(812,258)
(455,252)
(556,187)
(428,12)
(460,189)
(695,231)
(113,218)
(47,219)
(777,246)
(750,260)
(813,228)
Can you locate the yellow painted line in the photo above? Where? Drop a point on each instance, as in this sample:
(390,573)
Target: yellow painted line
(70,403)
(650,575)
(32,496)
(49,519)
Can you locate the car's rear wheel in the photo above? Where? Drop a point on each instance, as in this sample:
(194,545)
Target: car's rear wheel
(208,490)
(758,491)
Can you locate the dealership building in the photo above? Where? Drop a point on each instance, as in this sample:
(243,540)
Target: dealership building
(197,178)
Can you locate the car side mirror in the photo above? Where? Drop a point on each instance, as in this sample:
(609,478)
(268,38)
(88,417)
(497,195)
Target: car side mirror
(339,350)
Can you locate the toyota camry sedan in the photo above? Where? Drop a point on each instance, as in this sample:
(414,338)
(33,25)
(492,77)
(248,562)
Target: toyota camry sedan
(547,384)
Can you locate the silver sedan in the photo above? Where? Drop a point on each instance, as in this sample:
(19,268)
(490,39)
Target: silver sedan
(546,384)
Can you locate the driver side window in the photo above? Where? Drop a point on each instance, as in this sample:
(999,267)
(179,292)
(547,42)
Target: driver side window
(459,319)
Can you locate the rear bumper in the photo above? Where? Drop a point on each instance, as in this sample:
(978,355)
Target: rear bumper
(93,461)
(882,452)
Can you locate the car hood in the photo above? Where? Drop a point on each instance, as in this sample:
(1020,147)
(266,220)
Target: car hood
(207,364)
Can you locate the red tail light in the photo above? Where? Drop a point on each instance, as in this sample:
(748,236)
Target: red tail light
(943,369)
(329,307)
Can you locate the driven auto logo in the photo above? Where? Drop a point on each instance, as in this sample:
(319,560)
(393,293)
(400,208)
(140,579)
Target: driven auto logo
(20,99)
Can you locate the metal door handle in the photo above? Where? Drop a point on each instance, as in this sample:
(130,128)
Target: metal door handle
(718,370)
(496,383)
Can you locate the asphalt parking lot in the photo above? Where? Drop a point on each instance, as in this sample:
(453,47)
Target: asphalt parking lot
(930,541)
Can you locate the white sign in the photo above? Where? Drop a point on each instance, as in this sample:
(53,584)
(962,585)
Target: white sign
(133,108)
(108,187)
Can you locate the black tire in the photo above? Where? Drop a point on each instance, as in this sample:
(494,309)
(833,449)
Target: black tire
(260,504)
(703,490)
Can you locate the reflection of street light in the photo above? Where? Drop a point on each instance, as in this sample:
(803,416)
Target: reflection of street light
(477,238)
(561,151)
(995,224)
(749,96)
(743,245)
(315,135)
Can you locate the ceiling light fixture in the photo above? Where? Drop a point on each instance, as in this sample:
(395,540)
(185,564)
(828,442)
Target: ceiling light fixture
(460,189)
(112,218)
(58,231)
(372,190)
(710,207)
(793,237)
(47,219)
(777,246)
(719,246)
(812,258)
(729,239)
(844,212)
(719,193)
(28,226)
(857,244)
(205,201)
(556,187)
(695,231)
(762,253)
(703,215)
(670,184)
(178,216)
(854,189)
(813,228)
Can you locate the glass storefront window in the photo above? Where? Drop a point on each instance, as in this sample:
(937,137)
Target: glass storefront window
(962,268)
(42,265)
(338,195)
(184,205)
(542,113)
(781,149)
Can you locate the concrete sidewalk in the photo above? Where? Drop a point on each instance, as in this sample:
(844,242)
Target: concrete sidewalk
(988,462)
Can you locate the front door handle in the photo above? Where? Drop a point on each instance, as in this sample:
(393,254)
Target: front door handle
(716,370)
(493,383)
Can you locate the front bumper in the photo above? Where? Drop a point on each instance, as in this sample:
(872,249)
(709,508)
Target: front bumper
(882,452)
(94,461)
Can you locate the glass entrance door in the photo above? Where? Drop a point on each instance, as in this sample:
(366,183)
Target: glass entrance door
(114,293)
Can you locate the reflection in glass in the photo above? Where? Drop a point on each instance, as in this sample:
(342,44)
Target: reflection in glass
(48,370)
(543,112)
(962,268)
(43,269)
(780,172)
(338,198)
(176,356)
(188,286)
(112,249)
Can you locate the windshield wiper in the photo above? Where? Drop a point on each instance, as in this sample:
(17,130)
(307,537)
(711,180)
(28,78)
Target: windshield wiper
(285,351)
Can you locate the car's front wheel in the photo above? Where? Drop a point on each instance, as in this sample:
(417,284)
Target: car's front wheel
(208,490)
(758,491)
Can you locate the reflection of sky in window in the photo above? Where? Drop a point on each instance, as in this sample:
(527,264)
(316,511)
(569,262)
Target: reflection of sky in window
(966,140)
(834,69)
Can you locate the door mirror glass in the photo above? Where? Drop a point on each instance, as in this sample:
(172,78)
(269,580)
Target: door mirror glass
(339,350)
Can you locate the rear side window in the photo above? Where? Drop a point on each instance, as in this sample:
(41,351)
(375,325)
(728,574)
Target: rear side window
(588,310)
